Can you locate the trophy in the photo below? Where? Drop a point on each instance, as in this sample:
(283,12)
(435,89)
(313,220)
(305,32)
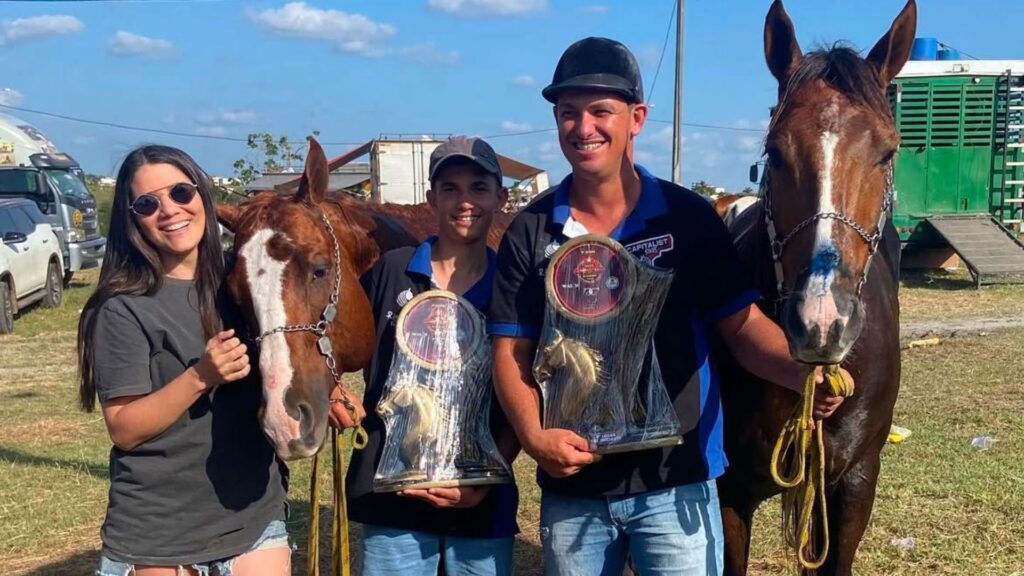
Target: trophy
(436,401)
(595,363)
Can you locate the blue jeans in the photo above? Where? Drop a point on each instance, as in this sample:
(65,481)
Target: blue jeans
(274,536)
(393,552)
(675,531)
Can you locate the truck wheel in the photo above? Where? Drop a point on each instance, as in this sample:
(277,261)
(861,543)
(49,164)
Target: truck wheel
(54,287)
(6,309)
(67,278)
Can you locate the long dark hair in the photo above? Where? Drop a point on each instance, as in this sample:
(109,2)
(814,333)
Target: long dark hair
(132,266)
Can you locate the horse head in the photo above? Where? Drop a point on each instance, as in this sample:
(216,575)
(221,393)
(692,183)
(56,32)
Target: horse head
(828,184)
(296,279)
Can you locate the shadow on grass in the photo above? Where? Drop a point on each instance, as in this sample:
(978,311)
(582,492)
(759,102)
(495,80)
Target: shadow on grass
(15,456)
(936,280)
(527,558)
(81,564)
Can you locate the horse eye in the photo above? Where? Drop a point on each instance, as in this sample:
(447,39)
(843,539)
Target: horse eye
(887,157)
(319,272)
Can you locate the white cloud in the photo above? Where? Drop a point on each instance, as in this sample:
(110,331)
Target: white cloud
(38,27)
(511,126)
(10,97)
(237,116)
(212,131)
(594,9)
(429,55)
(471,8)
(549,151)
(749,143)
(523,80)
(129,44)
(351,33)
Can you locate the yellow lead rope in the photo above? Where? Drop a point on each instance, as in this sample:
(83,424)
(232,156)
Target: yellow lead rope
(800,455)
(340,547)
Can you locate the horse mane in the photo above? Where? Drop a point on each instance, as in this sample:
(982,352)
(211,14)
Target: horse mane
(842,68)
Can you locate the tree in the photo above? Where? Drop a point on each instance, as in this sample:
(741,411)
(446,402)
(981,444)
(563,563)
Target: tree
(703,188)
(272,156)
(747,190)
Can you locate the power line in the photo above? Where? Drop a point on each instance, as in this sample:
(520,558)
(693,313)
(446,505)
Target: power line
(650,93)
(246,140)
(150,130)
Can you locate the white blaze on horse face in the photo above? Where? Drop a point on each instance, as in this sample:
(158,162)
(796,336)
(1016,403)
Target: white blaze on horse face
(819,307)
(265,276)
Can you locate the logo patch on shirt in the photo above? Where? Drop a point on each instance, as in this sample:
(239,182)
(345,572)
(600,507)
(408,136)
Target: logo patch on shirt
(651,249)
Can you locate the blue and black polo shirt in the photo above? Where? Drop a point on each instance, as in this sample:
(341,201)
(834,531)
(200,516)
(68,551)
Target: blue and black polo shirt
(670,227)
(398,276)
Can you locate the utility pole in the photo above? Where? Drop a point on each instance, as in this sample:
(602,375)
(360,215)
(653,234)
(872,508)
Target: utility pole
(677,118)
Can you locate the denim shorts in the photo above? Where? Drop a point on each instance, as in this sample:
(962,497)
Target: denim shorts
(275,536)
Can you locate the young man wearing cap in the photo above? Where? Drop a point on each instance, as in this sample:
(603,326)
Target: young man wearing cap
(471,527)
(658,505)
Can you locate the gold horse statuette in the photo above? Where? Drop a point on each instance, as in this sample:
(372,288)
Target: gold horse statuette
(584,366)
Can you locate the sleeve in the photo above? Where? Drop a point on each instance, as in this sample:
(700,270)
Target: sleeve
(121,353)
(724,285)
(517,305)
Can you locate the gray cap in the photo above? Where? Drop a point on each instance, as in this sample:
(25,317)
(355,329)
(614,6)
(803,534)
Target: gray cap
(597,64)
(473,149)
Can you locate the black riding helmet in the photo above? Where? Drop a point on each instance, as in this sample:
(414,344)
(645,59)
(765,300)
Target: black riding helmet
(600,64)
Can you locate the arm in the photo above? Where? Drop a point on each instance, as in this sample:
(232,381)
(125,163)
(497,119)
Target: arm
(760,346)
(132,420)
(559,452)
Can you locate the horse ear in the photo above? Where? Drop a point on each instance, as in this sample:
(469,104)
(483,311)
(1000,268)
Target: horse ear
(313,184)
(227,215)
(781,49)
(892,50)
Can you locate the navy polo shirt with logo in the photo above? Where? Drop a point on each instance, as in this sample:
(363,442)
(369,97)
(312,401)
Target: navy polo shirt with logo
(399,275)
(670,227)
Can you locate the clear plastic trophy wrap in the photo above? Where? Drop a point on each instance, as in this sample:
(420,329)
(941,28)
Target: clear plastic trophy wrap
(436,402)
(595,364)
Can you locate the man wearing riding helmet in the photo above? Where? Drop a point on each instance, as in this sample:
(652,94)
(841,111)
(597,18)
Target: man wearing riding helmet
(658,505)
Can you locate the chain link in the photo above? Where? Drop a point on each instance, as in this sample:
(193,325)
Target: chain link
(872,239)
(327,316)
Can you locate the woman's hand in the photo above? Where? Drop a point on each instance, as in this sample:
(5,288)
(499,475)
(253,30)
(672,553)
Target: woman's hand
(225,360)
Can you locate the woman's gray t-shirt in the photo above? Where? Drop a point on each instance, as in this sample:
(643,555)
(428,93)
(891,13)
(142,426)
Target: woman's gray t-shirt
(205,488)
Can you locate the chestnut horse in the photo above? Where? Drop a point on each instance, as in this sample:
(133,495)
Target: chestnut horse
(824,216)
(296,280)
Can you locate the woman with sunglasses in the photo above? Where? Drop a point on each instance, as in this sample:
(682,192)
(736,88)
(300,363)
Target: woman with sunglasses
(195,487)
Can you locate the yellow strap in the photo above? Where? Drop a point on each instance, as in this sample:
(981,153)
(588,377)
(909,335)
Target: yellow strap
(340,543)
(798,466)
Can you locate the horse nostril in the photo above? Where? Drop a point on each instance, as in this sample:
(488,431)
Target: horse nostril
(305,417)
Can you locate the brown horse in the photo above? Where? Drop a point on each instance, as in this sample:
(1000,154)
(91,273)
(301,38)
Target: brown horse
(295,256)
(730,206)
(810,242)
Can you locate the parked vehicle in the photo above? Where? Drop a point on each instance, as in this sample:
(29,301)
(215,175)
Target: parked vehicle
(31,265)
(32,167)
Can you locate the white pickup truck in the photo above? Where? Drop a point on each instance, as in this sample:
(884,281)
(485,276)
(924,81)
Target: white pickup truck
(31,267)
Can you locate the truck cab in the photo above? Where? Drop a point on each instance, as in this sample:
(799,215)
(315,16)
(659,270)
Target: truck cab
(31,167)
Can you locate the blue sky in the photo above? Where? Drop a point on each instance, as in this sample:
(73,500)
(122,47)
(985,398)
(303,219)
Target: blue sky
(354,69)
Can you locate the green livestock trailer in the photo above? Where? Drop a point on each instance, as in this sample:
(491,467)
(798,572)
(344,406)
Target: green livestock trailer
(959,175)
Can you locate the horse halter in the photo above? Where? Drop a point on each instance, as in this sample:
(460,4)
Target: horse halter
(871,238)
(323,342)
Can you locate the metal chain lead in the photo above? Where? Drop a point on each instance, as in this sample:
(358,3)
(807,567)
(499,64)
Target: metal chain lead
(326,317)
(872,239)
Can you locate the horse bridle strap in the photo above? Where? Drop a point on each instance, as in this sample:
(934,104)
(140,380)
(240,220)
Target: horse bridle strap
(871,238)
(323,342)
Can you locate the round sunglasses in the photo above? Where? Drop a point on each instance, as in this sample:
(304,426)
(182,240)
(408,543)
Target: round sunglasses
(147,204)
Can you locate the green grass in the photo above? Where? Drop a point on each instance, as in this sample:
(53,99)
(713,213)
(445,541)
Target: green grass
(964,508)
